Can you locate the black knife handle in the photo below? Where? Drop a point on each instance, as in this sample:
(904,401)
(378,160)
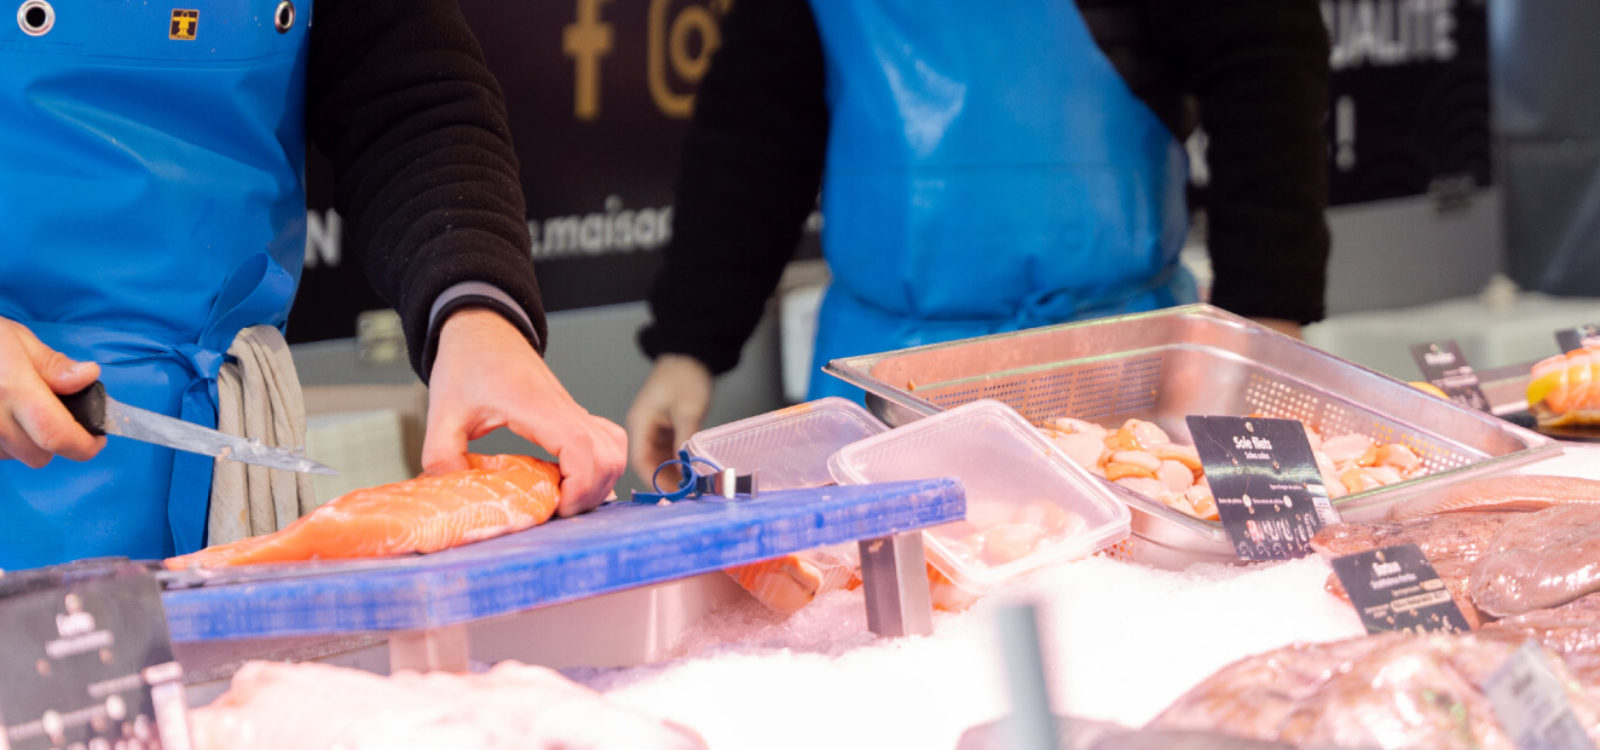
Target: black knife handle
(88,406)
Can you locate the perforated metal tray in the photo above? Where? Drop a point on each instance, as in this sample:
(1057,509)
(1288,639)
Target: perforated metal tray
(1197,359)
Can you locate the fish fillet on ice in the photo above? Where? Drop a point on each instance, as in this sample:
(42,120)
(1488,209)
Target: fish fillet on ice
(497,495)
(1539,560)
(1502,492)
(272,705)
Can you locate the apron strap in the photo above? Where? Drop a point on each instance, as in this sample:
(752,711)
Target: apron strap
(251,295)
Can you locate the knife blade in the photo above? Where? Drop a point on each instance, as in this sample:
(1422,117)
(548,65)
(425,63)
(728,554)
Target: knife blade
(101,414)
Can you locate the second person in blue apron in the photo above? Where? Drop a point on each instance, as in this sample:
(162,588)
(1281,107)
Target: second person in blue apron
(984,167)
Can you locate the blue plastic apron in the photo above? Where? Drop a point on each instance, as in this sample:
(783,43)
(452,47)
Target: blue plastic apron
(152,200)
(988,170)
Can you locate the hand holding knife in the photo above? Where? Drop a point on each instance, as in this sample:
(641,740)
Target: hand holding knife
(100,415)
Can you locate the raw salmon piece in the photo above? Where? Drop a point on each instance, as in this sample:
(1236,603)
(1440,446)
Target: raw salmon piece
(1565,389)
(1505,492)
(947,595)
(497,495)
(788,583)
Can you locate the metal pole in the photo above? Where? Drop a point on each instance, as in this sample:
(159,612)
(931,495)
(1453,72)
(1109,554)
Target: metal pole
(1032,723)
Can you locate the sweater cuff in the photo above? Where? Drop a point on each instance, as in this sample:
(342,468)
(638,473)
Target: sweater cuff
(473,294)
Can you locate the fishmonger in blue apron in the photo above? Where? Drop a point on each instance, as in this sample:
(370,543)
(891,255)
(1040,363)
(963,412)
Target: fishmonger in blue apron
(151,188)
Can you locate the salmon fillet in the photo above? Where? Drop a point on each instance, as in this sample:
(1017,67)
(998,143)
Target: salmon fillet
(497,495)
(788,583)
(1564,390)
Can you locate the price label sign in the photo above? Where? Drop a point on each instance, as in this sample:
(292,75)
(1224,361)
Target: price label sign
(1269,492)
(1396,588)
(1444,365)
(1577,338)
(1532,705)
(87,661)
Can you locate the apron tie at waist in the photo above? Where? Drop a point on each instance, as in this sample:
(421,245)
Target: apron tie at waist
(204,363)
(254,293)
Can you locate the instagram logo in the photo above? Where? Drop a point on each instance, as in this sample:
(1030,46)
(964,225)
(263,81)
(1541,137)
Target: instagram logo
(681,41)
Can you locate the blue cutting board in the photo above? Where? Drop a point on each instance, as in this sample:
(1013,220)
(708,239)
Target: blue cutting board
(617,546)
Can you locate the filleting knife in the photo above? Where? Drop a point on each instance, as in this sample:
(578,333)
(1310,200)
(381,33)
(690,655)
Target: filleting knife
(100,414)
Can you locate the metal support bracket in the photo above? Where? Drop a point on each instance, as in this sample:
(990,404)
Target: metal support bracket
(446,649)
(895,578)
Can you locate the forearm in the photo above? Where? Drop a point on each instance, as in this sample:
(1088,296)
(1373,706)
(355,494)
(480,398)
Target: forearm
(425,175)
(1259,69)
(751,167)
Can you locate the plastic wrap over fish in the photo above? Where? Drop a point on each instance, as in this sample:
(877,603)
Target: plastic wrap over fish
(1083,734)
(1390,691)
(1572,630)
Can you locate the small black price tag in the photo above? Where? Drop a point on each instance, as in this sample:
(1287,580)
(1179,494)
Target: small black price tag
(1270,494)
(87,661)
(1577,338)
(1532,705)
(1444,365)
(1396,588)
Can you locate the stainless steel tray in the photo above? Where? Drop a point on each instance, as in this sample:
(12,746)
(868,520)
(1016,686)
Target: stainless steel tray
(1197,359)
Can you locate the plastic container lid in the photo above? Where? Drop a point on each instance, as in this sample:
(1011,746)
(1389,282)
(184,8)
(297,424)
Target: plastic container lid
(790,447)
(1028,505)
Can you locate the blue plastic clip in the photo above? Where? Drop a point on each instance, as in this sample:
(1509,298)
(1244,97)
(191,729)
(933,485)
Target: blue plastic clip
(719,481)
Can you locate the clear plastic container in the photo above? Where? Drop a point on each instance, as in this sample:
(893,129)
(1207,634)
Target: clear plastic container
(790,447)
(1028,505)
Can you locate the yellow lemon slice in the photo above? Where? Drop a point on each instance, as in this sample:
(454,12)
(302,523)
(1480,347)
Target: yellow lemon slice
(1428,388)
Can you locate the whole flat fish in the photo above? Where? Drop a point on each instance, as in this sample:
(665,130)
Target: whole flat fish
(1452,542)
(497,495)
(1539,560)
(1503,492)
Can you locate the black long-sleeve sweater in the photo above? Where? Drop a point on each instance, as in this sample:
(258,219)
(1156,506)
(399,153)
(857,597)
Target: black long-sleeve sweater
(754,156)
(401,101)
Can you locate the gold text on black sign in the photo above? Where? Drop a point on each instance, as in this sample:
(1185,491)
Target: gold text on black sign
(185,23)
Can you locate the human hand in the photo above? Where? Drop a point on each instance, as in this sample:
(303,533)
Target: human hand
(1285,327)
(34,426)
(486,376)
(667,410)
